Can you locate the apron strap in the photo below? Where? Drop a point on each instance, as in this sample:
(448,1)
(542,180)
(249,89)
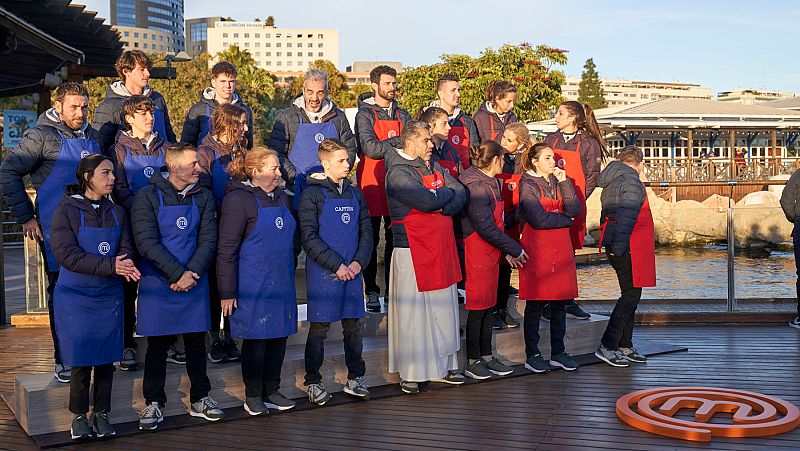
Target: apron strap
(114,214)
(81,212)
(258,202)
(160,198)
(300,114)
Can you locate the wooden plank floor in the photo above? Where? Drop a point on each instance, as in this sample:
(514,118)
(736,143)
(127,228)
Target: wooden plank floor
(555,411)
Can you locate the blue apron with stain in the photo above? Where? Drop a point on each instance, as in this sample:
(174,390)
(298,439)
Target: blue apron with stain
(303,154)
(267,300)
(330,299)
(161,311)
(88,308)
(139,169)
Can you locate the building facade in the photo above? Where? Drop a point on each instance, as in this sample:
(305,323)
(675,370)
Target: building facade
(752,96)
(634,92)
(150,25)
(197,34)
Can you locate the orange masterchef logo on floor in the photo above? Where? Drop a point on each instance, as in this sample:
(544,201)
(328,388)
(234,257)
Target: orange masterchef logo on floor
(754,414)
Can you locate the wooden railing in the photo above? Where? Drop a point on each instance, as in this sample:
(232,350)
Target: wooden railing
(717,169)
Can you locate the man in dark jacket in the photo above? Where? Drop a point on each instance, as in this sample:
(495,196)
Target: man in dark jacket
(790,203)
(133,68)
(448,93)
(49,153)
(222,90)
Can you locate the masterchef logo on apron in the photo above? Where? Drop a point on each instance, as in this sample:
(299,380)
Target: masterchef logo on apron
(181,222)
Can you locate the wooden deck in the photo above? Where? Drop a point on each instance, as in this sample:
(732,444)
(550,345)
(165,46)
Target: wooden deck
(555,411)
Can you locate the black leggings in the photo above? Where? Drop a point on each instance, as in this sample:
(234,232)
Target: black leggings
(479,333)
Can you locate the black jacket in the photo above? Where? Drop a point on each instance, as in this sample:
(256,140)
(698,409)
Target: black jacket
(484,120)
(790,198)
(64,238)
(124,142)
(530,206)
(309,211)
(239,216)
(198,118)
(36,155)
(478,215)
(622,198)
(590,155)
(147,236)
(405,192)
(206,154)
(447,152)
(368,143)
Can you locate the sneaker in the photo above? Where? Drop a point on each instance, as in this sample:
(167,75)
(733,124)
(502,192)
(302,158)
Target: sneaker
(508,319)
(537,364)
(452,378)
(63,373)
(575,311)
(102,425)
(231,351)
(564,361)
(254,405)
(795,323)
(497,367)
(512,291)
(373,303)
(207,408)
(80,428)
(216,352)
(633,355)
(498,322)
(318,395)
(546,312)
(176,354)
(613,358)
(150,417)
(411,388)
(128,362)
(477,370)
(278,401)
(357,387)
(461,299)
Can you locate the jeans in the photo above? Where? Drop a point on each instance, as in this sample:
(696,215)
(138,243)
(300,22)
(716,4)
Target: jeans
(371,271)
(261,366)
(352,330)
(79,388)
(619,332)
(503,282)
(479,333)
(155,367)
(558,327)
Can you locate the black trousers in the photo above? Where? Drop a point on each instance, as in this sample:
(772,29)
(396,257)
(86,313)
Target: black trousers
(796,242)
(352,329)
(558,326)
(79,388)
(155,367)
(216,303)
(52,277)
(503,282)
(619,332)
(261,366)
(371,271)
(129,291)
(479,333)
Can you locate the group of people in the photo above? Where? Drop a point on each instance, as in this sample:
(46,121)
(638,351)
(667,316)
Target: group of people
(197,240)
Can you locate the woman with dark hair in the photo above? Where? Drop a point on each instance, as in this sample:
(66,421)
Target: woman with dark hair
(484,242)
(548,204)
(444,152)
(496,112)
(92,244)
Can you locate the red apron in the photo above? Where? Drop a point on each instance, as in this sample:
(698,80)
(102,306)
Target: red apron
(481,261)
(459,138)
(371,173)
(549,275)
(432,243)
(570,162)
(449,164)
(510,192)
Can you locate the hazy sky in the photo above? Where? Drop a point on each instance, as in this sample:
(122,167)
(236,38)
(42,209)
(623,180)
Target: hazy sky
(719,44)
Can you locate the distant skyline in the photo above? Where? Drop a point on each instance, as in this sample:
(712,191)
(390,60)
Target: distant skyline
(719,44)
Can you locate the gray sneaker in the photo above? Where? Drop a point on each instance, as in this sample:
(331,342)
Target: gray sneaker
(128,362)
(208,409)
(150,417)
(176,354)
(62,373)
(278,401)
(613,358)
(564,361)
(633,355)
(477,370)
(373,303)
(102,425)
(537,364)
(411,388)
(253,405)
(357,387)
(318,395)
(452,378)
(497,367)
(795,323)
(80,428)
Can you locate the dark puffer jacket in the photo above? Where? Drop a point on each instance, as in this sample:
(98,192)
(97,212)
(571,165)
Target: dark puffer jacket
(147,235)
(284,132)
(530,205)
(368,143)
(67,223)
(590,155)
(123,144)
(461,119)
(447,152)
(207,153)
(36,155)
(622,198)
(790,200)
(405,192)
(478,215)
(239,216)
(311,203)
(109,116)
(488,121)
(198,118)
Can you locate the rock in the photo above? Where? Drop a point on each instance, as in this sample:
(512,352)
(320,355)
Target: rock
(755,225)
(760,199)
(777,190)
(717,202)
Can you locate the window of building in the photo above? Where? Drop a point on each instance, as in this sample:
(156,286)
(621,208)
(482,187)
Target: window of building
(224,35)
(278,63)
(299,53)
(258,44)
(225,45)
(310,45)
(319,54)
(288,63)
(277,35)
(288,53)
(269,63)
(310,36)
(247,35)
(277,44)
(236,35)
(319,45)
(258,35)
(136,45)
(135,34)
(644,96)
(199,32)
(268,44)
(277,53)
(161,38)
(289,36)
(258,54)
(125,34)
(319,36)
(144,46)
(288,44)
(161,48)
(247,44)
(267,53)
(267,35)
(299,64)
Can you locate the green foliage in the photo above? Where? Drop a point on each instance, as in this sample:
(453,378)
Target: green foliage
(270,22)
(529,68)
(338,91)
(590,91)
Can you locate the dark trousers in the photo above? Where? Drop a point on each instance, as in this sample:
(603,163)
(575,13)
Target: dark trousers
(129,291)
(261,366)
(558,326)
(619,332)
(155,367)
(353,345)
(216,305)
(796,241)
(503,282)
(479,333)
(371,271)
(52,277)
(79,388)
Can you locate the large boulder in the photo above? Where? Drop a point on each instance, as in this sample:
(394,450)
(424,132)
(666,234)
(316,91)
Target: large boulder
(777,190)
(760,199)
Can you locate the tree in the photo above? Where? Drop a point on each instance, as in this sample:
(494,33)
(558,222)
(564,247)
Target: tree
(270,22)
(529,68)
(338,91)
(590,91)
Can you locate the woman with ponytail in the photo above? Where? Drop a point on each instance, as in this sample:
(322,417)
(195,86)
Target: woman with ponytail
(443,151)
(494,115)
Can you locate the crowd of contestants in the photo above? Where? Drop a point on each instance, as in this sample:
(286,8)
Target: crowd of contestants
(193,242)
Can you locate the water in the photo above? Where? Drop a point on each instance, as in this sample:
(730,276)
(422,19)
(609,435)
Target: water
(701,272)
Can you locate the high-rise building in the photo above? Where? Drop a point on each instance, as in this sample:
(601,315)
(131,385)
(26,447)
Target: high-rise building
(632,92)
(747,96)
(149,25)
(197,34)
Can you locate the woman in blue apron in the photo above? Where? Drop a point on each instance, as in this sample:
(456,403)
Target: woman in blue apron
(92,244)
(255,274)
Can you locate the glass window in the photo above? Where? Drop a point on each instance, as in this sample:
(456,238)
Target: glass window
(136,44)
(288,44)
(247,35)
(319,45)
(319,36)
(277,44)
(247,44)
(199,32)
(288,53)
(126,34)
(258,44)
(299,53)
(310,45)
(267,53)
(144,46)
(278,63)
(258,35)
(269,63)
(225,45)
(319,54)
(277,53)
(135,34)
(288,63)
(268,44)
(310,36)
(224,35)
(236,35)
(267,35)
(258,54)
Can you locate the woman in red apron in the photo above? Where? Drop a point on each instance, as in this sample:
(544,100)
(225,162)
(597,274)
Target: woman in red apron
(548,204)
(485,241)
(444,153)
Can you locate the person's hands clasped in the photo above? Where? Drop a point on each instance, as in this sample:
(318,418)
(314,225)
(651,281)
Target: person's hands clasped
(187,281)
(344,273)
(125,267)
(560,174)
(30,229)
(355,268)
(228,305)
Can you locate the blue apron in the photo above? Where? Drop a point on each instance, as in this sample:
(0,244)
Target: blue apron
(49,193)
(330,299)
(205,125)
(303,154)
(219,178)
(161,311)
(139,169)
(159,123)
(88,308)
(267,300)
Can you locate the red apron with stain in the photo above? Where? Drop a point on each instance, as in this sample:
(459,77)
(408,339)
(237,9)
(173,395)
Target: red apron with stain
(459,138)
(570,162)
(481,261)
(371,173)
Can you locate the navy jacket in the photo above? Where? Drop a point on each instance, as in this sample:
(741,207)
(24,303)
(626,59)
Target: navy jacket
(484,120)
(124,142)
(530,207)
(201,112)
(478,215)
(622,198)
(368,143)
(590,155)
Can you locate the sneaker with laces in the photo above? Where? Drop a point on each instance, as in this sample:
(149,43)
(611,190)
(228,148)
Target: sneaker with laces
(318,395)
(498,322)
(511,323)
(128,362)
(253,405)
(574,310)
(278,401)
(208,409)
(452,378)
(80,428)
(176,354)
(409,388)
(231,351)
(150,417)
(357,387)
(795,323)
(537,364)
(102,425)
(633,355)
(477,370)
(216,352)
(62,373)
(564,361)
(613,358)
(497,367)
(373,302)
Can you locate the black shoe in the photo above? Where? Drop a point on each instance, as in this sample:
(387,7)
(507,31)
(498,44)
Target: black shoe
(373,302)
(80,429)
(537,364)
(512,291)
(498,321)
(511,323)
(232,351)
(575,311)
(216,353)
(102,425)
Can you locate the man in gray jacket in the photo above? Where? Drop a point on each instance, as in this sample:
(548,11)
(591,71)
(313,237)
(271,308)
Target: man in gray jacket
(790,199)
